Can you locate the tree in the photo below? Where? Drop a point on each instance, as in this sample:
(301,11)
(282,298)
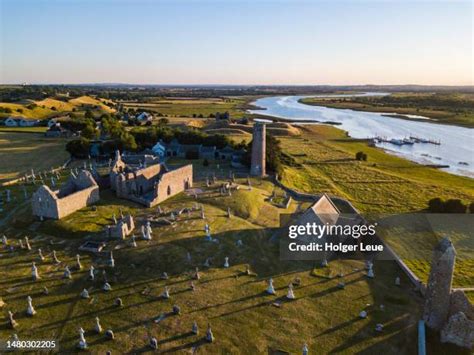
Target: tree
(90,132)
(78,148)
(89,114)
(471,207)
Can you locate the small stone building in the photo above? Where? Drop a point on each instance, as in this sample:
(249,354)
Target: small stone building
(78,192)
(148,185)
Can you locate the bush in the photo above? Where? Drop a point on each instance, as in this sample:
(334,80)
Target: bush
(361,156)
(437,205)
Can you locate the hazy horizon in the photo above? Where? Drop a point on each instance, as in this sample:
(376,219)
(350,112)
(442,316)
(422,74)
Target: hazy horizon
(341,43)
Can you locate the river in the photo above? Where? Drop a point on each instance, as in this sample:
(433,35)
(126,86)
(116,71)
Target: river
(457,143)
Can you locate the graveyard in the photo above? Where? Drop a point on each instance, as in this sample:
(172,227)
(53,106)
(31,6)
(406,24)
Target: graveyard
(206,262)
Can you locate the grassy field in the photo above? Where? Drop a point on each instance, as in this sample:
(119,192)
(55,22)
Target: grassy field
(242,316)
(187,107)
(49,107)
(21,152)
(384,185)
(453,108)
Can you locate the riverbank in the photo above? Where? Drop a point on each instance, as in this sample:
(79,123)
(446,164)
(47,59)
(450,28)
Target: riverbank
(444,111)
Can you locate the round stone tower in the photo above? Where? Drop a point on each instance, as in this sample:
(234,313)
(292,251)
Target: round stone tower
(257,167)
(438,289)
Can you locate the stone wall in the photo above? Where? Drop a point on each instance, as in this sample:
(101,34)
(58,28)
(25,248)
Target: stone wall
(172,183)
(77,200)
(77,193)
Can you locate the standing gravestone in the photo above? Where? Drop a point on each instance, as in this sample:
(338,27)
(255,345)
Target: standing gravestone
(55,258)
(153,343)
(67,273)
(40,255)
(196,276)
(30,310)
(12,322)
(111,261)
(270,289)
(207,263)
(166,293)
(78,262)
(209,335)
(226,262)
(22,246)
(27,243)
(97,327)
(91,273)
(8,197)
(133,241)
(34,271)
(397,281)
(194,328)
(85,294)
(4,240)
(82,340)
(305,349)
(25,193)
(438,290)
(290,295)
(107,287)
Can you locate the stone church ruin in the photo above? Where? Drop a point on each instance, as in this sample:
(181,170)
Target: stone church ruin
(148,185)
(78,192)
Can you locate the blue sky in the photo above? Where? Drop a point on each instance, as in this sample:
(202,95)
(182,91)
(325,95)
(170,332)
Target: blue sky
(236,42)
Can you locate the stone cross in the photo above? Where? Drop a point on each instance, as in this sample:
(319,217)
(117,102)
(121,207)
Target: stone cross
(30,310)
(370,272)
(82,340)
(226,262)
